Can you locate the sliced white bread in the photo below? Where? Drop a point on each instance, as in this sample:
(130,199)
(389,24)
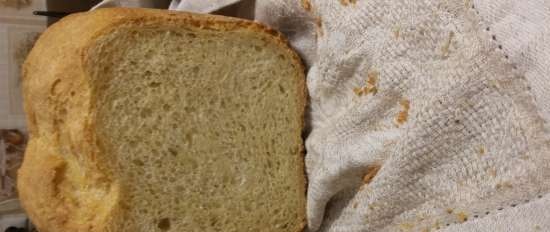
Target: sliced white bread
(152,121)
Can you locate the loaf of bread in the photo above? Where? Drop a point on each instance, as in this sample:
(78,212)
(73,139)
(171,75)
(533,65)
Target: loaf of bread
(152,121)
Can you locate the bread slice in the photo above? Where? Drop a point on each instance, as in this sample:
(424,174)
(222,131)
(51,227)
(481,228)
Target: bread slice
(153,121)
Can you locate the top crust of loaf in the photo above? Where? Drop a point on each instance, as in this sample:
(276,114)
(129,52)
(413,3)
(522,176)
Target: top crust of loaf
(62,183)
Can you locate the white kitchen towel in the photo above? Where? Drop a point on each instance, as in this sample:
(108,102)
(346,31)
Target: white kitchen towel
(421,102)
(521,29)
(424,115)
(531,216)
(203,6)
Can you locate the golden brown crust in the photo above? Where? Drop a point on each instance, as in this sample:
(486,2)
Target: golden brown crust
(63,156)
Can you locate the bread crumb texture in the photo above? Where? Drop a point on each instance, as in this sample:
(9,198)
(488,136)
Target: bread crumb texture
(462,216)
(403,115)
(150,121)
(370,87)
(348,2)
(319,26)
(371,173)
(306,4)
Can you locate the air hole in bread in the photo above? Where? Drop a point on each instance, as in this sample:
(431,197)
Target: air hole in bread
(282,89)
(154,84)
(138,162)
(164,224)
(258,48)
(189,109)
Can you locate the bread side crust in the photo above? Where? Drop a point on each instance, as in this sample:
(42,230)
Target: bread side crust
(63,157)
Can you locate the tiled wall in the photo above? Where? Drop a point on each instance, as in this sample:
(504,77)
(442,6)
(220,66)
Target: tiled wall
(18,29)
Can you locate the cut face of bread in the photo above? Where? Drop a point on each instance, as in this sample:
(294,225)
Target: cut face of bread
(160,121)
